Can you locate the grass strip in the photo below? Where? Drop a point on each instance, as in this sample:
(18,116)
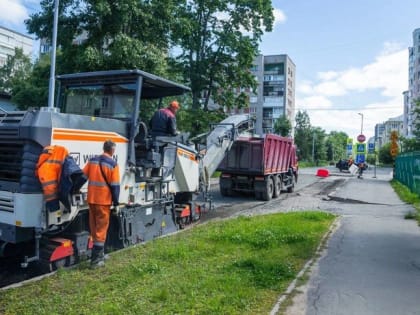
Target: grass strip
(409,197)
(236,266)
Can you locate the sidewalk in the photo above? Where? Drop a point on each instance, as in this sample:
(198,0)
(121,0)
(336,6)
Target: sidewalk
(372,261)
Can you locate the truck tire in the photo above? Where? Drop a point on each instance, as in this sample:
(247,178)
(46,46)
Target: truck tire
(225,185)
(277,186)
(291,188)
(226,192)
(267,193)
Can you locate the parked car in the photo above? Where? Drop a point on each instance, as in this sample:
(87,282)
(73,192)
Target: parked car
(343,165)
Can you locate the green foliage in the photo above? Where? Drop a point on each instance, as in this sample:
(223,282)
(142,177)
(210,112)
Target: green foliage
(15,71)
(282,126)
(240,266)
(198,121)
(309,140)
(218,40)
(32,92)
(336,144)
(318,142)
(371,159)
(122,34)
(384,155)
(407,196)
(303,136)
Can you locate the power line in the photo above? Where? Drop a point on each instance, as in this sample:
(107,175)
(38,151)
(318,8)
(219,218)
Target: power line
(347,109)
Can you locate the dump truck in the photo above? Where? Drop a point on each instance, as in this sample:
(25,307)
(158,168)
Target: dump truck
(263,166)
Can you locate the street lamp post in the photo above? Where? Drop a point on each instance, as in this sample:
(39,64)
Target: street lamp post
(51,90)
(361,128)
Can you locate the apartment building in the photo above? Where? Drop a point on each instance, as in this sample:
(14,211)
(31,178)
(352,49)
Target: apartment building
(413,84)
(275,95)
(9,40)
(383,131)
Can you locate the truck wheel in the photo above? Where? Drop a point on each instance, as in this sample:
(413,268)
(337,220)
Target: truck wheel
(291,188)
(267,194)
(225,187)
(277,186)
(225,192)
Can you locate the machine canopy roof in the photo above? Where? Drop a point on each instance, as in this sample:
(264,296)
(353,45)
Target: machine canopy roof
(152,86)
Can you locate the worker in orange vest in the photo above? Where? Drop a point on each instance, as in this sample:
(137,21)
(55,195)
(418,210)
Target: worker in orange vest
(103,191)
(48,171)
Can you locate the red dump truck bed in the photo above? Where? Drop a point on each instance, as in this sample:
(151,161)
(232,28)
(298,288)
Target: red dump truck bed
(263,166)
(260,156)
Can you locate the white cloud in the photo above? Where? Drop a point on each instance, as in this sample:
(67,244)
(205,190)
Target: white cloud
(387,75)
(12,12)
(330,88)
(305,87)
(329,75)
(314,102)
(279,17)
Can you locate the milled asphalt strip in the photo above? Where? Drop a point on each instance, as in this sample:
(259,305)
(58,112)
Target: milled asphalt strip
(317,255)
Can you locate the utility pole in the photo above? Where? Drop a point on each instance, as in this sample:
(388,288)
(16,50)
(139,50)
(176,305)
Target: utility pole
(361,128)
(51,90)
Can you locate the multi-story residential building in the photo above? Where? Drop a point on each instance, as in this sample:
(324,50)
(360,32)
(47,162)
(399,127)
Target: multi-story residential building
(9,40)
(407,116)
(275,96)
(413,82)
(383,131)
(379,135)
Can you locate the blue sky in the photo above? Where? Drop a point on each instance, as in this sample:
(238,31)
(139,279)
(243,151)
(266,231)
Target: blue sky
(351,56)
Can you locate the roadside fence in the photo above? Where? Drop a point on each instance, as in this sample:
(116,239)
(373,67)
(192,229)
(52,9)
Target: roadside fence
(407,170)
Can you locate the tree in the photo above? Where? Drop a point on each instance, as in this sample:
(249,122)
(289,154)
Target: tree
(32,92)
(15,71)
(117,34)
(385,156)
(318,144)
(336,144)
(218,40)
(303,136)
(282,126)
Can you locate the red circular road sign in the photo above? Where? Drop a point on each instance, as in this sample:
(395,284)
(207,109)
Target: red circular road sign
(361,138)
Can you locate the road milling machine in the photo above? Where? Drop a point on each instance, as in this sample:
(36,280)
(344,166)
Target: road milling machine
(161,177)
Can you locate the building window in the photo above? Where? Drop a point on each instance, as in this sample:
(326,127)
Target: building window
(277,68)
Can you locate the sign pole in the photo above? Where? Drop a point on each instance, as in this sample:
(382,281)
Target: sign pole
(374,169)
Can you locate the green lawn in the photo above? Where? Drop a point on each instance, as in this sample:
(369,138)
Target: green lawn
(409,197)
(236,266)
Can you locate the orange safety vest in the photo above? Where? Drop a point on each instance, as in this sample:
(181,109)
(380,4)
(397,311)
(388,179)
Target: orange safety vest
(103,186)
(48,170)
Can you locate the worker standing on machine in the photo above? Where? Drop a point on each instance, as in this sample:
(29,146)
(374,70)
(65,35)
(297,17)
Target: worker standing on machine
(103,191)
(163,122)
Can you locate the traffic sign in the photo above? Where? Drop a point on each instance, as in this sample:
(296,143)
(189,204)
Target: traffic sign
(360,147)
(360,158)
(361,138)
(371,148)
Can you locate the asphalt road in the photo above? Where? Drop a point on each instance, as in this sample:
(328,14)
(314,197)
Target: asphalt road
(371,264)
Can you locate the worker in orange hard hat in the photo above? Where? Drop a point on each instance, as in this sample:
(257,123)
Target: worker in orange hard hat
(163,122)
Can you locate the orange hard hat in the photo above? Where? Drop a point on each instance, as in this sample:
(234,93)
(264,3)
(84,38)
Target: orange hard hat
(174,105)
